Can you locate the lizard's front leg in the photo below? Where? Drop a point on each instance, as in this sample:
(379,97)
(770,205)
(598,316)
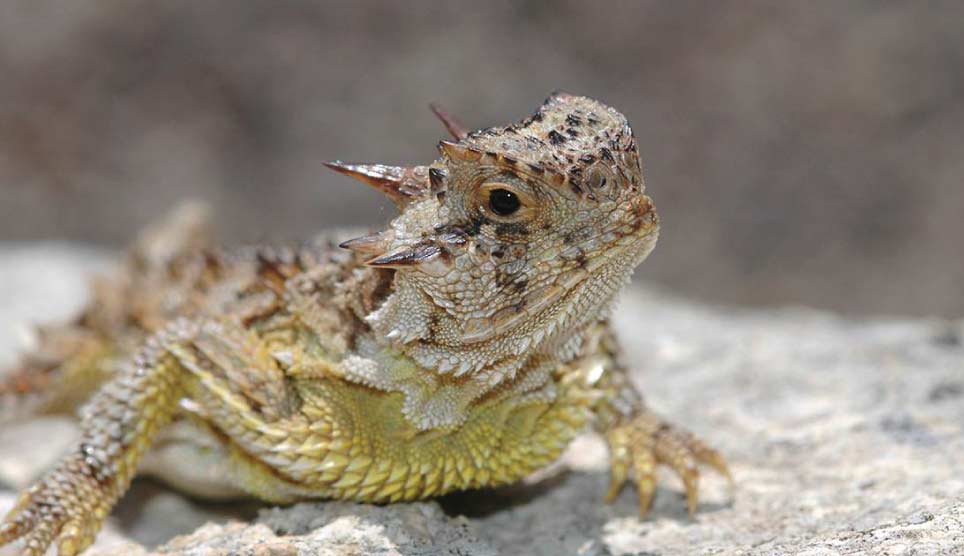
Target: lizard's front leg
(640,440)
(69,503)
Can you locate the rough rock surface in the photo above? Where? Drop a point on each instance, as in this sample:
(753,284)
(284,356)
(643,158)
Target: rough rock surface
(845,437)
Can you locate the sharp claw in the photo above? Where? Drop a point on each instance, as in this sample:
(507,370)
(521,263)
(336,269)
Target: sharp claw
(645,488)
(647,442)
(620,459)
(618,474)
(644,474)
(717,462)
(691,482)
(711,457)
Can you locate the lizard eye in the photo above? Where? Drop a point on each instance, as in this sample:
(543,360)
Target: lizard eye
(503,202)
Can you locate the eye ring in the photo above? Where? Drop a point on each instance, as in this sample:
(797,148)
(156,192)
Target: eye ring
(504,202)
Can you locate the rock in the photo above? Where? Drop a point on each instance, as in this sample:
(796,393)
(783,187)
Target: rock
(844,436)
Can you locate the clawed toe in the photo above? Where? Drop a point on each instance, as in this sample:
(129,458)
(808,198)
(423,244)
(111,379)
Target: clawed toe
(645,442)
(52,512)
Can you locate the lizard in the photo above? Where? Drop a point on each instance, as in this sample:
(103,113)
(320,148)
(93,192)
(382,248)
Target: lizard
(462,347)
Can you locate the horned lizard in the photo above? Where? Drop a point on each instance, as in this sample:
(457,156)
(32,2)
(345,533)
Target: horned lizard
(462,347)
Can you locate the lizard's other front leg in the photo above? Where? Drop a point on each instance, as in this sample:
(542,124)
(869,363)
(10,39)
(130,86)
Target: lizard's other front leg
(640,440)
(69,503)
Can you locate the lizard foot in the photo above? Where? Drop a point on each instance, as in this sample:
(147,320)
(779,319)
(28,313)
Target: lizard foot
(62,507)
(641,443)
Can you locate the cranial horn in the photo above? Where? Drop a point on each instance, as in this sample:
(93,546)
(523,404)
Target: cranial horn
(451,123)
(402,184)
(455,151)
(426,256)
(371,245)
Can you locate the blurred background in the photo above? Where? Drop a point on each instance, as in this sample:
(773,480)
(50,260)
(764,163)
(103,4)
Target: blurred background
(799,152)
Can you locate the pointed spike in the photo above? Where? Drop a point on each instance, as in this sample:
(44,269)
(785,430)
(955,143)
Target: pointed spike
(455,151)
(400,183)
(426,256)
(436,177)
(504,160)
(407,256)
(451,123)
(371,245)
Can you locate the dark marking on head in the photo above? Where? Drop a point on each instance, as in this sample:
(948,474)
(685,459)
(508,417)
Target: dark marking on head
(575,180)
(556,138)
(607,155)
(574,186)
(572,132)
(450,233)
(472,229)
(512,229)
(587,159)
(573,120)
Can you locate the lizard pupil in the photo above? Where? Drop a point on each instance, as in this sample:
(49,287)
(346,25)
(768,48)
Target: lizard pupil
(503,202)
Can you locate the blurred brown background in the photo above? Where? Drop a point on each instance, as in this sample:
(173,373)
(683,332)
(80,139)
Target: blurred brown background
(799,152)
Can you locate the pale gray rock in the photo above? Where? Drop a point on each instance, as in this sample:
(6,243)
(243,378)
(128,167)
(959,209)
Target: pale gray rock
(844,436)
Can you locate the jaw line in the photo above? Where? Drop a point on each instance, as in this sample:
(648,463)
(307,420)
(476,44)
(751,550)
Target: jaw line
(566,286)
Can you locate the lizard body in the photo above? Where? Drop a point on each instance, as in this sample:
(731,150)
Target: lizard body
(462,347)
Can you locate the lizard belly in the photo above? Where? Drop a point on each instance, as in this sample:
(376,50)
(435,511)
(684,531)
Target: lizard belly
(355,444)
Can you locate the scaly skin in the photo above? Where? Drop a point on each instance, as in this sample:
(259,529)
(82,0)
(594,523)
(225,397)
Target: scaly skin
(463,347)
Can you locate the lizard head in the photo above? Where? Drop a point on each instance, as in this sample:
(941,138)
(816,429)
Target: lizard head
(541,221)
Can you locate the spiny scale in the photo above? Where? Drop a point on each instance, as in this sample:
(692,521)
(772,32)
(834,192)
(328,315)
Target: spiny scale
(457,151)
(401,184)
(408,255)
(451,123)
(371,245)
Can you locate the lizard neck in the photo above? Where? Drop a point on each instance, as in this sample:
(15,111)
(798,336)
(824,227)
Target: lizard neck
(412,323)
